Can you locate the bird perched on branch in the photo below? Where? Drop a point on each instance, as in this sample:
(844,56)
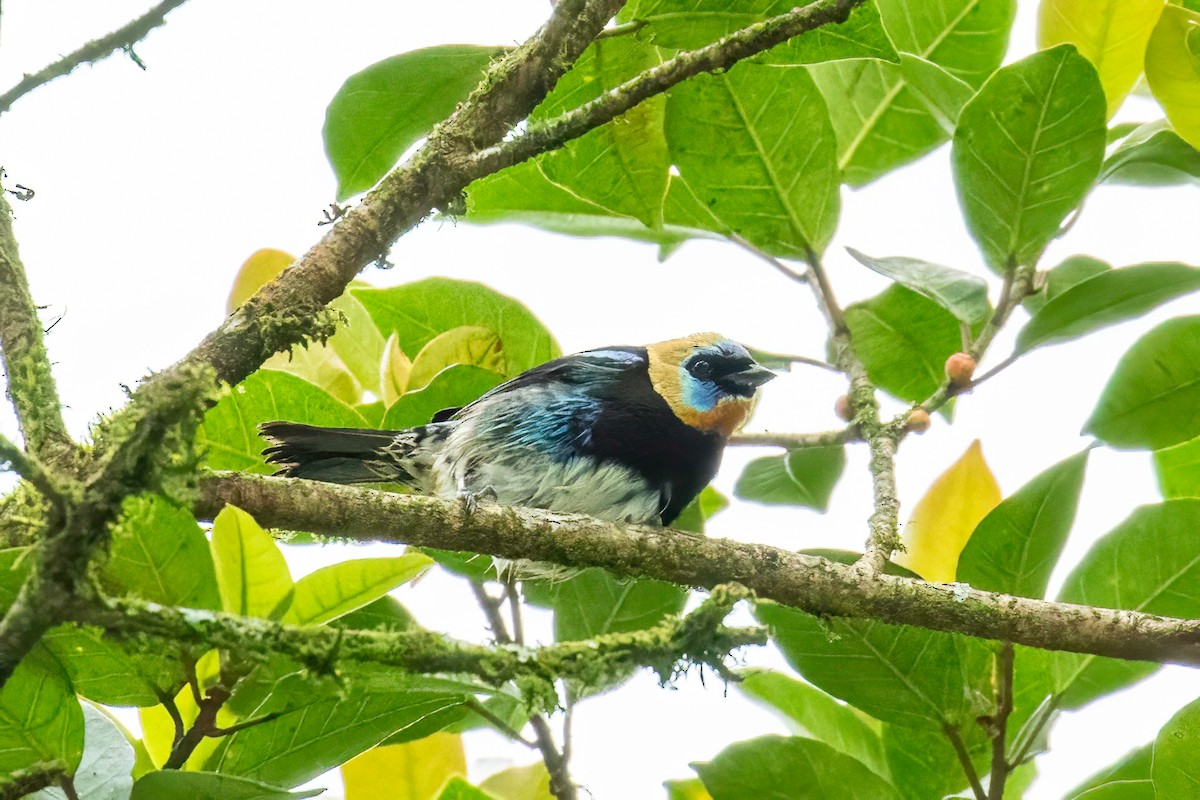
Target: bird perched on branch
(622,433)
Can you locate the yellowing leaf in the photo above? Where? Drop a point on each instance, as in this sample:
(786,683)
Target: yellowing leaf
(394,371)
(945,517)
(158,729)
(686,789)
(1112,34)
(412,771)
(520,783)
(262,267)
(468,344)
(319,365)
(251,572)
(1173,69)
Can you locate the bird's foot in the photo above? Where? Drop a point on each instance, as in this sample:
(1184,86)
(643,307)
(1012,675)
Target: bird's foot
(470,500)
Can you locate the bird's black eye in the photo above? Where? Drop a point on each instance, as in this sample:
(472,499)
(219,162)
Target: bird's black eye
(701,369)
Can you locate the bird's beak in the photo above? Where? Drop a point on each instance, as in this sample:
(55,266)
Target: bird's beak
(750,378)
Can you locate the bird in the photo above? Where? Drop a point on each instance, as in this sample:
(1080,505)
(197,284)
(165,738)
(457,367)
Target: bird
(625,434)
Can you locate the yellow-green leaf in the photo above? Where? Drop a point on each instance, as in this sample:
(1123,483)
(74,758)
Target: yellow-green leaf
(251,571)
(412,771)
(395,369)
(158,728)
(520,783)
(686,789)
(319,365)
(338,589)
(1112,34)
(468,344)
(943,520)
(1173,69)
(262,267)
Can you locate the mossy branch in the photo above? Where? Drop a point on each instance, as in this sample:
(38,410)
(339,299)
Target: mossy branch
(809,583)
(122,38)
(670,646)
(25,782)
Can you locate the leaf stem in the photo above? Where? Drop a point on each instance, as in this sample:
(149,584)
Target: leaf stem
(964,760)
(999,729)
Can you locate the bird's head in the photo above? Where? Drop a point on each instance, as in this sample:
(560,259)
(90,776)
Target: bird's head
(710,382)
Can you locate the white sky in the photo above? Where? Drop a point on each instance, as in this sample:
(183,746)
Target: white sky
(152,187)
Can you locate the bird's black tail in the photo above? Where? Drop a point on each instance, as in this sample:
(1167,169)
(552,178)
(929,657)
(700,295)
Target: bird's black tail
(340,455)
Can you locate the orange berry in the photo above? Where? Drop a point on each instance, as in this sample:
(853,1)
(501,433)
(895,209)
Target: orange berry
(918,421)
(959,369)
(841,407)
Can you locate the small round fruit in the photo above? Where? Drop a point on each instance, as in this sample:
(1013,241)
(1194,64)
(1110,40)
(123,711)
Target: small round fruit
(918,421)
(842,408)
(960,367)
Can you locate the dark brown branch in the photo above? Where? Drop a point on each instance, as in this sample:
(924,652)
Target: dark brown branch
(999,726)
(33,779)
(30,383)
(121,39)
(812,584)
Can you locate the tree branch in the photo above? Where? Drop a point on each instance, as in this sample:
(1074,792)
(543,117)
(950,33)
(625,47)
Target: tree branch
(796,441)
(809,583)
(964,760)
(27,781)
(121,39)
(30,382)
(999,727)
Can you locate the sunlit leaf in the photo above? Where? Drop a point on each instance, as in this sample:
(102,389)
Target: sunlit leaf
(1016,546)
(395,368)
(320,365)
(1152,399)
(942,521)
(259,269)
(469,344)
(519,783)
(419,311)
(686,789)
(382,110)
(1173,69)
(453,387)
(962,294)
(105,770)
(804,477)
(1112,34)
(412,771)
(1153,155)
(1072,271)
(1178,469)
(1175,769)
(764,166)
(1027,148)
(338,589)
(40,717)
(942,94)
(102,671)
(251,570)
(459,789)
(176,785)
(358,342)
(789,768)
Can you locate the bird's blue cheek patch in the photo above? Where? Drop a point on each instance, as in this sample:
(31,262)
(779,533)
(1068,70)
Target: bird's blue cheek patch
(698,395)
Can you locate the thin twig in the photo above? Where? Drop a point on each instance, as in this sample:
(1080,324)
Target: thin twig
(964,760)
(496,722)
(781,267)
(241,726)
(999,727)
(32,470)
(121,39)
(491,609)
(561,784)
(796,441)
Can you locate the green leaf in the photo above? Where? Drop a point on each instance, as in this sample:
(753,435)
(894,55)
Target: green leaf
(904,340)
(593,602)
(1175,770)
(338,589)
(765,166)
(40,717)
(160,554)
(103,672)
(1128,779)
(15,567)
(358,343)
(1173,69)
(1110,297)
(177,785)
(1017,545)
(803,477)
(789,768)
(384,614)
(453,387)
(230,430)
(531,782)
(458,789)
(468,345)
(105,770)
(1153,155)
(881,122)
(668,23)
(923,763)
(962,294)
(1178,469)
(1072,271)
(1027,149)
(617,172)
(1152,399)
(382,110)
(251,571)
(317,731)
(686,789)
(1149,563)
(1112,34)
(812,713)
(703,507)
(942,94)
(419,311)
(909,676)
